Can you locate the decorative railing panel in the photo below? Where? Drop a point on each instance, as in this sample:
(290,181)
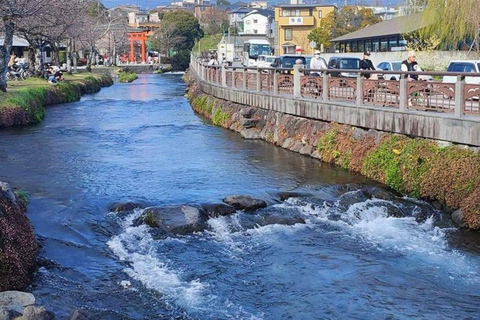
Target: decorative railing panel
(431,96)
(342,89)
(472,99)
(266,82)
(229,78)
(251,80)
(311,87)
(238,80)
(381,93)
(285,84)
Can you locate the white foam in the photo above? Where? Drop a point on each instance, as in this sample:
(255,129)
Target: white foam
(136,246)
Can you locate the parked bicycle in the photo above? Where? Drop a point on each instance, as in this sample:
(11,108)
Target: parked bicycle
(18,72)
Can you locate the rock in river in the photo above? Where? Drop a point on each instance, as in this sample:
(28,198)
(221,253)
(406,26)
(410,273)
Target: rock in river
(214,210)
(246,203)
(177,220)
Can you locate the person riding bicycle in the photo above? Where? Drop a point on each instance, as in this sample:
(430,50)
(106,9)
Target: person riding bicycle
(317,62)
(411,65)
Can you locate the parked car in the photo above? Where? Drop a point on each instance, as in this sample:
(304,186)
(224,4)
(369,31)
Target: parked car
(265,61)
(339,63)
(287,61)
(396,66)
(390,66)
(463,66)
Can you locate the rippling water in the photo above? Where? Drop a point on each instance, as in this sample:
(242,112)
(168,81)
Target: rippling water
(142,142)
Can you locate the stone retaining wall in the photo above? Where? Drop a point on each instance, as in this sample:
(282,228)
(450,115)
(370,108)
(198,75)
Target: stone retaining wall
(421,168)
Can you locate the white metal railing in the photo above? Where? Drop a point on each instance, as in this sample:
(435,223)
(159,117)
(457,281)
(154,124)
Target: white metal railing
(457,98)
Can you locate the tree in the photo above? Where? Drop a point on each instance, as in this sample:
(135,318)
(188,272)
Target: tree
(324,33)
(223,2)
(454,21)
(336,24)
(176,36)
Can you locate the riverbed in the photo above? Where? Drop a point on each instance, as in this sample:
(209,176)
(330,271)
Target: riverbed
(142,142)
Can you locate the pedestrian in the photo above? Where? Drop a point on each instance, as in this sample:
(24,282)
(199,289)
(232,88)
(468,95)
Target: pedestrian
(317,63)
(411,65)
(11,62)
(213,61)
(366,64)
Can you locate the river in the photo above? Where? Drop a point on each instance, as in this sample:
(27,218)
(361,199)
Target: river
(142,142)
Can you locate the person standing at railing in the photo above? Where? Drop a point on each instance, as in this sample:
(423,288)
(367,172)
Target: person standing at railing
(411,65)
(213,61)
(316,63)
(367,64)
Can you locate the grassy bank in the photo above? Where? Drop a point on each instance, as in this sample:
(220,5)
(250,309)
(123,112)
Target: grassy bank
(25,101)
(416,167)
(208,42)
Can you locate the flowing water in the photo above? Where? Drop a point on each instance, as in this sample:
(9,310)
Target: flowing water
(142,142)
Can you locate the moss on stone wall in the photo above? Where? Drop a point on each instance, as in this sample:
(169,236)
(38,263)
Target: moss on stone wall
(411,166)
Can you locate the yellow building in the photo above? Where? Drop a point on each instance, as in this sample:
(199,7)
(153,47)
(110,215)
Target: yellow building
(294,21)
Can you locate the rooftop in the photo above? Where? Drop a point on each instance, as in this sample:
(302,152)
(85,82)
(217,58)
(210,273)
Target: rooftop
(399,25)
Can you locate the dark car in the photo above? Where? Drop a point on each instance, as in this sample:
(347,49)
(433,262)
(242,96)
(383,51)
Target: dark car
(339,63)
(287,61)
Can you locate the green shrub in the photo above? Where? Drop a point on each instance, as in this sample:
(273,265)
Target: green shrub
(127,76)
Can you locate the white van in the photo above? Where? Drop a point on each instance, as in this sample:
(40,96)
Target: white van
(463,66)
(264,61)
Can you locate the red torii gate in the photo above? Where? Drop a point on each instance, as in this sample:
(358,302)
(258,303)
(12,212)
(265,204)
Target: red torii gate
(142,37)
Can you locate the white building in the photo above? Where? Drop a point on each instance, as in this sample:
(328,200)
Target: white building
(386,13)
(259,22)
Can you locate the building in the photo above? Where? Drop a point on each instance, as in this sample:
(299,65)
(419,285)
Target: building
(207,14)
(258,4)
(294,21)
(259,22)
(235,17)
(144,21)
(385,13)
(381,37)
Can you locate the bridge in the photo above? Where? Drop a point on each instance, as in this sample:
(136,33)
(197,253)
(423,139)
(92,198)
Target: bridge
(428,109)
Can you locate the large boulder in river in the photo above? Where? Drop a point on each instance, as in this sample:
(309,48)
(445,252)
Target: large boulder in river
(271,218)
(352,197)
(215,210)
(177,220)
(18,248)
(246,203)
(125,206)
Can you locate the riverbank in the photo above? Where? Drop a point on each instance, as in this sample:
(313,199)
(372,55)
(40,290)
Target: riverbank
(449,176)
(25,101)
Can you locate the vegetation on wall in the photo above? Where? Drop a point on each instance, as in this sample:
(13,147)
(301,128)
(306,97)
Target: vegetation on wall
(126,76)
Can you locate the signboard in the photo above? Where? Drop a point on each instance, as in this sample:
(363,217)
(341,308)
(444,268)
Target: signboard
(313,44)
(295,21)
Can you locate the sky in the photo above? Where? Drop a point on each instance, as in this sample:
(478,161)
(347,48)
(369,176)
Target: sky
(150,4)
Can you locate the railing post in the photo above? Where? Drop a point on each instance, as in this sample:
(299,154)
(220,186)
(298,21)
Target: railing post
(326,89)
(403,93)
(275,83)
(259,81)
(217,75)
(296,79)
(459,96)
(359,97)
(224,76)
(244,79)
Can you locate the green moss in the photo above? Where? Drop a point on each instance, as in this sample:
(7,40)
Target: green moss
(22,195)
(150,220)
(127,76)
(327,141)
(220,117)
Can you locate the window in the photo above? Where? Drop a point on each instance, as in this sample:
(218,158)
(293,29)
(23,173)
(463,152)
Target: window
(288,34)
(247,21)
(255,31)
(320,14)
(290,13)
(255,20)
(310,12)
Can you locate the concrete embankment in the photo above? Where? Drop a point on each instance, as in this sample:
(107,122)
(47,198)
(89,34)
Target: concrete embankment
(447,175)
(27,105)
